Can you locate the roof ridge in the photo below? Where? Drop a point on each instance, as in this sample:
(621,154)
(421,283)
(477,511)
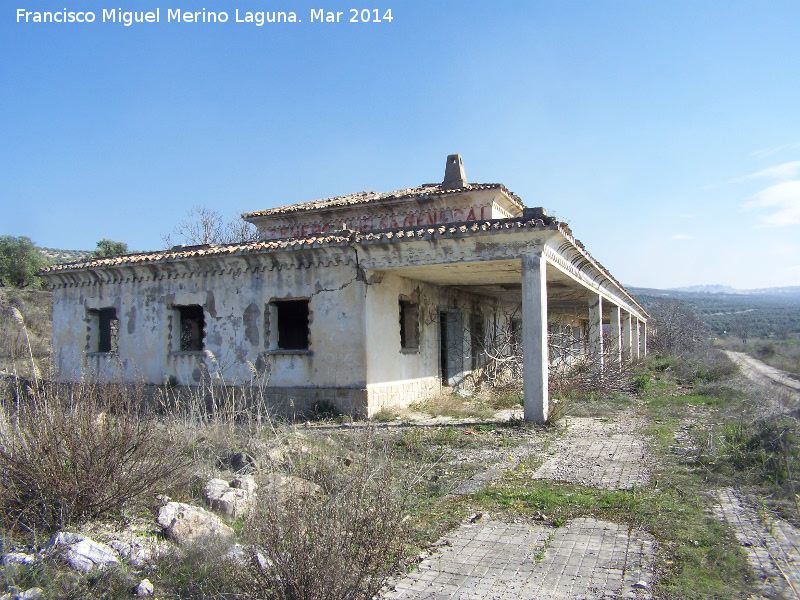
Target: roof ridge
(366,196)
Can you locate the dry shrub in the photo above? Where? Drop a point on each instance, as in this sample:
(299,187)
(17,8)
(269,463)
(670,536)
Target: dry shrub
(342,545)
(588,377)
(70,453)
(25,328)
(706,364)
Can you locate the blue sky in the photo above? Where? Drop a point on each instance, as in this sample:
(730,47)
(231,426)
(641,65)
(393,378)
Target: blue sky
(666,133)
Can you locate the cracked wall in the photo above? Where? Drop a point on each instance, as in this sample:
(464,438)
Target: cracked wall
(236,327)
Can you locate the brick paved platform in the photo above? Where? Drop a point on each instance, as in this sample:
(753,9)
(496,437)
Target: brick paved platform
(773,548)
(587,559)
(597,454)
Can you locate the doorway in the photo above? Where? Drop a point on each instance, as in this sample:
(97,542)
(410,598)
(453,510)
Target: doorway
(451,347)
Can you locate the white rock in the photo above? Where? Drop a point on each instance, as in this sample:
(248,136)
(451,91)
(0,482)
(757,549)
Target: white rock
(289,485)
(138,552)
(230,502)
(185,524)
(33,594)
(83,553)
(145,588)
(18,558)
(245,482)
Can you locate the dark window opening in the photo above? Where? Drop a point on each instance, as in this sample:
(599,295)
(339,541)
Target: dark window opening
(192,328)
(516,337)
(409,325)
(292,324)
(477,340)
(108,328)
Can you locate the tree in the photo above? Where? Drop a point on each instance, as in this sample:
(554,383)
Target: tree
(20,261)
(206,226)
(109,248)
(674,329)
(743,326)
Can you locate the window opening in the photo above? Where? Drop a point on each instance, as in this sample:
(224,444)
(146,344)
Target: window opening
(516,337)
(192,328)
(477,340)
(292,324)
(409,325)
(108,329)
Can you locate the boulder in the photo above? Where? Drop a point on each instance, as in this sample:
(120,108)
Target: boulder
(83,553)
(245,482)
(288,485)
(185,524)
(29,594)
(145,588)
(242,556)
(228,501)
(139,552)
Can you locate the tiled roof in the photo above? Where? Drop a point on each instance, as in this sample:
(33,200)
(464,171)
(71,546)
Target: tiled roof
(430,190)
(316,240)
(336,238)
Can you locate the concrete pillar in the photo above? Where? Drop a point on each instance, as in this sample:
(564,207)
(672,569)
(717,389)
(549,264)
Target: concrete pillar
(596,328)
(534,338)
(643,339)
(626,335)
(615,352)
(635,338)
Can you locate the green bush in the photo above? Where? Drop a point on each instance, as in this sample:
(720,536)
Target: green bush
(20,260)
(107,248)
(765,350)
(705,366)
(767,450)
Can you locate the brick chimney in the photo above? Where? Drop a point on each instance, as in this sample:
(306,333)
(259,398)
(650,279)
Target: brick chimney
(454,176)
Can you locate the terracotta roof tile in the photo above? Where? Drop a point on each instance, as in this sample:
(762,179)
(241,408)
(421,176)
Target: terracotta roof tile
(429,190)
(317,240)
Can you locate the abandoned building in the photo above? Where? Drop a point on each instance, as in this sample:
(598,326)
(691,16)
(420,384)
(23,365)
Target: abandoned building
(365,301)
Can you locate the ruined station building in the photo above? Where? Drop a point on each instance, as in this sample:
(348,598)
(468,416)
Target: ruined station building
(363,301)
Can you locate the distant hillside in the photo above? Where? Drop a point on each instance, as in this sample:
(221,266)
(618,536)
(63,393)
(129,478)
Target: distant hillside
(771,312)
(64,256)
(726,289)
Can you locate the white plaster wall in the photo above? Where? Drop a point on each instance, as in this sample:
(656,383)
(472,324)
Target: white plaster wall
(387,361)
(415,373)
(236,333)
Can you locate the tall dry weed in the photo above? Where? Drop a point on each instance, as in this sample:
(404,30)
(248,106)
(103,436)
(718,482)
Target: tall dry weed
(344,544)
(70,453)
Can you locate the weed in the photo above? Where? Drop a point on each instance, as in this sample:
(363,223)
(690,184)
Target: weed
(73,453)
(342,545)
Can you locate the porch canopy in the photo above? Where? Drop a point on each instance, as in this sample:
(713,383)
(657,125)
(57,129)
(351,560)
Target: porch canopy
(533,260)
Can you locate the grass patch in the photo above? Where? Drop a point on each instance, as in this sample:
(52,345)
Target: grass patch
(453,405)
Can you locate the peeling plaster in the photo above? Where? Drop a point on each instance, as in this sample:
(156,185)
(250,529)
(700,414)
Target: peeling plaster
(250,319)
(131,314)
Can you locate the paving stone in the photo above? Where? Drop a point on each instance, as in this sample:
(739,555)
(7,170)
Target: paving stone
(773,548)
(598,454)
(572,565)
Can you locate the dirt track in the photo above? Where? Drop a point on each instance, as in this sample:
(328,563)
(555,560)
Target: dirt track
(767,376)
